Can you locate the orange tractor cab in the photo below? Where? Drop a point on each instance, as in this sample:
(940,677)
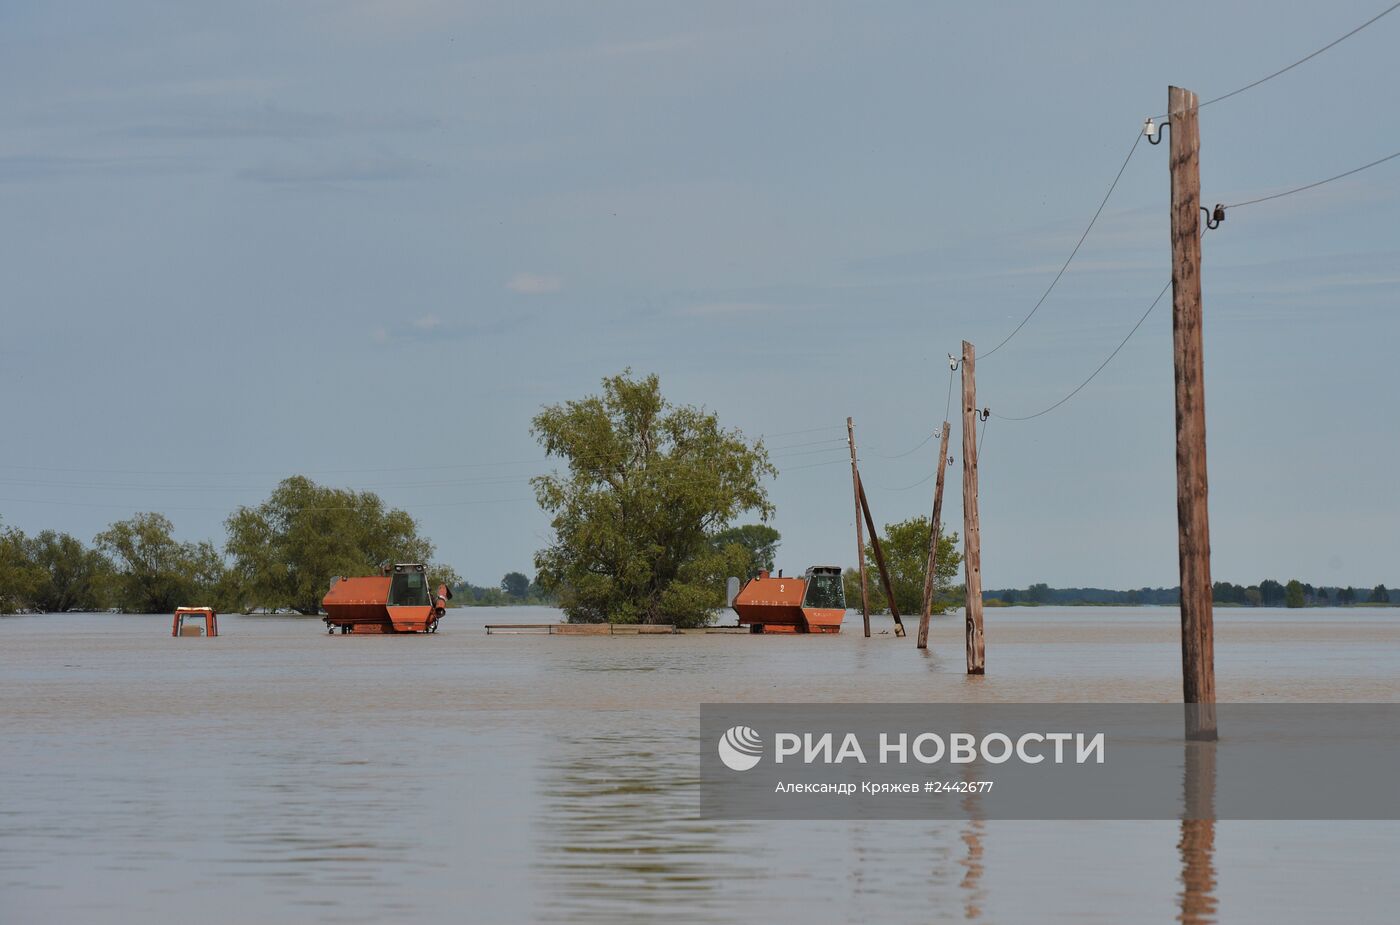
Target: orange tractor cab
(394,601)
(814,603)
(206,614)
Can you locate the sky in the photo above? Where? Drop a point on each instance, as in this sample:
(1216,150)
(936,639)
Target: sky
(367,241)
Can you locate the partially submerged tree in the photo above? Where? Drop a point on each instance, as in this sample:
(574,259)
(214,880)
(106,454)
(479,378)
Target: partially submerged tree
(905,546)
(286,550)
(73,576)
(515,585)
(154,572)
(649,486)
(1293,594)
(19,578)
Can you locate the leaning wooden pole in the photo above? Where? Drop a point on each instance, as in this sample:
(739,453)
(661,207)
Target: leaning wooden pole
(933,530)
(1192,513)
(972,530)
(860,538)
(879,558)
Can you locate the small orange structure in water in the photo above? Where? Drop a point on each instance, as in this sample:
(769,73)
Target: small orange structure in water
(207,614)
(814,603)
(395,601)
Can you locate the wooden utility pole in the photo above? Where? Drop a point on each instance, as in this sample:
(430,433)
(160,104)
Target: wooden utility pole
(972,529)
(1192,513)
(879,558)
(860,538)
(933,536)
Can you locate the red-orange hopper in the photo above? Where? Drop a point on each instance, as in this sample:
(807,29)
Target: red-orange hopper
(395,601)
(814,603)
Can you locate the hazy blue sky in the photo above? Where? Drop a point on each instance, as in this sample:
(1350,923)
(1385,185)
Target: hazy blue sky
(359,239)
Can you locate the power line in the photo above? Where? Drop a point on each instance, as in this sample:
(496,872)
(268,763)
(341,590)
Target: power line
(1284,70)
(1097,212)
(810,430)
(1299,189)
(1081,385)
(1250,86)
(1217,99)
(907,487)
(380,486)
(111,504)
(547,460)
(921,445)
(419,505)
(948,402)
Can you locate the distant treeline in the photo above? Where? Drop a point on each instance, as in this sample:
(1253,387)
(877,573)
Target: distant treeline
(515,588)
(1268,593)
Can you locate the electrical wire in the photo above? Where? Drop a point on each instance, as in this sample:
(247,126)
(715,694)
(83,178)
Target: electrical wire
(921,445)
(419,505)
(1299,189)
(948,402)
(485,480)
(1080,387)
(810,430)
(1097,212)
(1332,44)
(1284,70)
(433,468)
(921,481)
(1213,100)
(109,504)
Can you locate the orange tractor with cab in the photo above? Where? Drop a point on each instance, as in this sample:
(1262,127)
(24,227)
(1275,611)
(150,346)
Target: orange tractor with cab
(394,601)
(814,603)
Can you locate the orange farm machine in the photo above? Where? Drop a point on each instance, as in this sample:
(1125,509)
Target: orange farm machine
(814,603)
(394,601)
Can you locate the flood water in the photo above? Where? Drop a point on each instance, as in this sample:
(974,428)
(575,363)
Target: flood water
(278,774)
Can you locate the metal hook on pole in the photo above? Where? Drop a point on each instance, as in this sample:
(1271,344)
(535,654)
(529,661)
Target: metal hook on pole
(954,362)
(1153,131)
(1213,219)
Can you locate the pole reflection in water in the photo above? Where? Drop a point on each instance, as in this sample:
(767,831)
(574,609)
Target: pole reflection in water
(972,831)
(1197,843)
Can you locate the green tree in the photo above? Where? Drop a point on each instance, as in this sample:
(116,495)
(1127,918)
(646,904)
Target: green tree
(1346,596)
(515,585)
(1379,595)
(19,577)
(1222,592)
(1272,592)
(905,545)
(760,541)
(1038,593)
(74,577)
(1293,594)
(286,550)
(154,573)
(1253,596)
(649,484)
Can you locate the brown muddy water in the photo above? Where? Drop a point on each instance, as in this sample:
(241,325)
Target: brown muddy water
(278,774)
